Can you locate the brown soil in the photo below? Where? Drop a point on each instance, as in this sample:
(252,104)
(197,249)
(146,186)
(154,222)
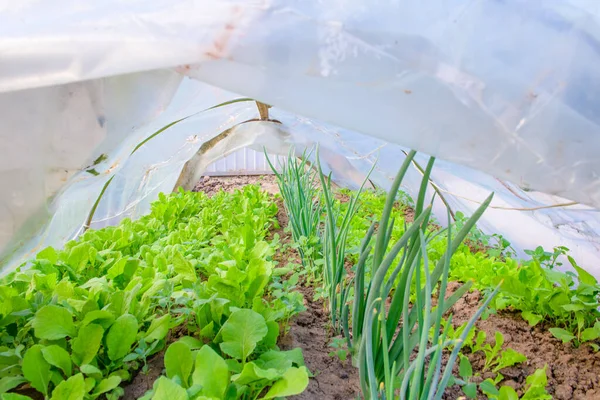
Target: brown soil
(573,373)
(141,383)
(409,214)
(333,380)
(341,197)
(476,246)
(212,184)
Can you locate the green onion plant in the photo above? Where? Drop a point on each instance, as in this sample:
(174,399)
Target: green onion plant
(333,239)
(298,187)
(388,328)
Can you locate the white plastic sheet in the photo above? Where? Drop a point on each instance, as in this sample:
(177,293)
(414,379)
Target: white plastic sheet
(507,87)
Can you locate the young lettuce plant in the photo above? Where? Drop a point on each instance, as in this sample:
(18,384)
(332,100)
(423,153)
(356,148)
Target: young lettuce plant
(333,242)
(240,362)
(198,371)
(301,199)
(382,352)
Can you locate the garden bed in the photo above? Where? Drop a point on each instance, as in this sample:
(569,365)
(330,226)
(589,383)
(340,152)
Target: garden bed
(572,372)
(333,379)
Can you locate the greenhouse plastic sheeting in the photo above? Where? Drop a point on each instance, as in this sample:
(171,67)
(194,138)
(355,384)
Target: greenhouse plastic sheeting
(506,87)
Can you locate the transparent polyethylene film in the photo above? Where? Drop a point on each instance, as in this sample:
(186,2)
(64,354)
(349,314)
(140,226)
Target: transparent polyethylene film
(506,87)
(174,157)
(49,135)
(503,87)
(176,148)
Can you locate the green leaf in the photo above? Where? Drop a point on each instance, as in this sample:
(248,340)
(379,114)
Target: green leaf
(59,357)
(252,373)
(241,333)
(106,385)
(211,372)
(341,354)
(179,362)
(589,334)
(90,370)
(194,392)
(294,381)
(270,340)
(479,341)
(89,384)
(208,331)
(117,268)
(79,255)
(536,386)
(562,334)
(499,340)
(531,318)
(507,393)
(582,274)
(53,322)
(100,317)
(118,305)
(131,357)
(166,389)
(192,343)
(121,336)
(538,378)
(36,370)
(49,253)
(234,366)
(122,373)
(574,307)
(281,359)
(489,388)
(470,390)
(55,377)
(10,382)
(465,370)
(86,345)
(71,389)
(158,328)
(64,290)
(183,267)
(508,358)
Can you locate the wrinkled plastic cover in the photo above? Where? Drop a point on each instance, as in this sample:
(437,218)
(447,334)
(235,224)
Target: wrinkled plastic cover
(493,88)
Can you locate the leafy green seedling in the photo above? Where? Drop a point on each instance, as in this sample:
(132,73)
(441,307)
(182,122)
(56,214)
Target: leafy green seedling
(105,303)
(498,358)
(465,370)
(469,387)
(508,358)
(340,350)
(206,373)
(535,388)
(546,258)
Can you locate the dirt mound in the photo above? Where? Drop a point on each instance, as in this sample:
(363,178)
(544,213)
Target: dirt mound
(573,373)
(333,379)
(212,184)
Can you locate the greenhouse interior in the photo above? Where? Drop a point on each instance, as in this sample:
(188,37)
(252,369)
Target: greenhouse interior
(271,199)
